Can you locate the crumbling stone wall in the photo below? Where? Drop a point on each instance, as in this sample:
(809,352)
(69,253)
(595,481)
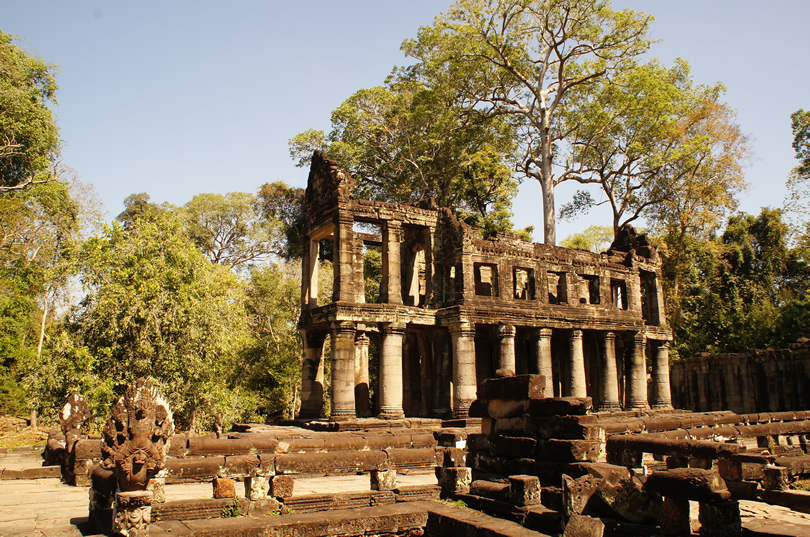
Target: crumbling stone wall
(770,380)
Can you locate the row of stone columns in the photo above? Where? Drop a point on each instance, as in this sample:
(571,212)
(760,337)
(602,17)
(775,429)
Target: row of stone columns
(464,378)
(350,380)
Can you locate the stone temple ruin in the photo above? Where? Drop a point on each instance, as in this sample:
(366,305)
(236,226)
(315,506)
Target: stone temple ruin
(529,382)
(456,307)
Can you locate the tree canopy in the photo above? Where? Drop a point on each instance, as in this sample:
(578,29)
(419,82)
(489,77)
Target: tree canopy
(522,60)
(408,141)
(29,137)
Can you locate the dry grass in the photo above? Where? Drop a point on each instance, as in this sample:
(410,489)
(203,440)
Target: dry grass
(15,432)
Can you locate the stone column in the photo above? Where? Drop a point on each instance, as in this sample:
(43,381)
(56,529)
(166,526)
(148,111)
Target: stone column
(391,371)
(577,386)
(310,272)
(464,381)
(343,371)
(544,359)
(361,375)
(312,374)
(637,375)
(506,355)
(391,290)
(662,394)
(358,278)
(608,378)
(343,290)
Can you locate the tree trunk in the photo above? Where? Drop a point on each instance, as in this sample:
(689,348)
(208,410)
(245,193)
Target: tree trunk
(42,329)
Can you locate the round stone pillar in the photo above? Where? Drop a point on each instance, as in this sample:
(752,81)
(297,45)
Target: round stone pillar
(637,375)
(577,385)
(506,364)
(662,394)
(361,379)
(312,374)
(464,380)
(544,359)
(391,260)
(609,378)
(391,371)
(343,371)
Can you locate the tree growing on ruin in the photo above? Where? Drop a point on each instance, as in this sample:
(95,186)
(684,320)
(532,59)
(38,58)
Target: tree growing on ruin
(521,61)
(408,142)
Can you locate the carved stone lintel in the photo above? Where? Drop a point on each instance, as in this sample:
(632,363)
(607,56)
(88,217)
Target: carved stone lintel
(132,514)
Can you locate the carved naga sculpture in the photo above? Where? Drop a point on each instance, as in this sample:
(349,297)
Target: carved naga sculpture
(136,436)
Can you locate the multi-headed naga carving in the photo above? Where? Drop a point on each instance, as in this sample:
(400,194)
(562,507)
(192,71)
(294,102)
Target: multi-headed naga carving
(74,414)
(136,436)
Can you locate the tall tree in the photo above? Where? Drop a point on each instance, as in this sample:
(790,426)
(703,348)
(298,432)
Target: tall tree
(522,59)
(797,200)
(156,307)
(656,145)
(229,229)
(407,142)
(285,205)
(29,137)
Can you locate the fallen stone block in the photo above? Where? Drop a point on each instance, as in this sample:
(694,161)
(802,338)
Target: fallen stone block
(281,486)
(240,465)
(689,483)
(454,480)
(412,458)
(324,463)
(209,445)
(513,387)
(628,499)
(193,469)
(584,526)
(570,450)
(524,490)
(224,487)
(720,519)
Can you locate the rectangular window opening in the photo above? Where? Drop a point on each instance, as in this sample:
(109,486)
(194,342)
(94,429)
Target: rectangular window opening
(618,291)
(486,279)
(523,281)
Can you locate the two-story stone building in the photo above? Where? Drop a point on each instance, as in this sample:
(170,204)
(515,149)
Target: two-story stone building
(456,307)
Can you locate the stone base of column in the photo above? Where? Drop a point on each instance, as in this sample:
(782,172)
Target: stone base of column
(391,414)
(342,415)
(462,411)
(132,513)
(608,407)
(638,406)
(662,406)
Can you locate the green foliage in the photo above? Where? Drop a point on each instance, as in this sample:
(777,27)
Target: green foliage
(409,141)
(520,62)
(594,239)
(372,274)
(272,360)
(284,205)
(656,145)
(231,509)
(743,290)
(157,308)
(29,138)
(229,228)
(797,199)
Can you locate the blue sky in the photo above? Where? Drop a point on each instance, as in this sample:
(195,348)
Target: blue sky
(177,98)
